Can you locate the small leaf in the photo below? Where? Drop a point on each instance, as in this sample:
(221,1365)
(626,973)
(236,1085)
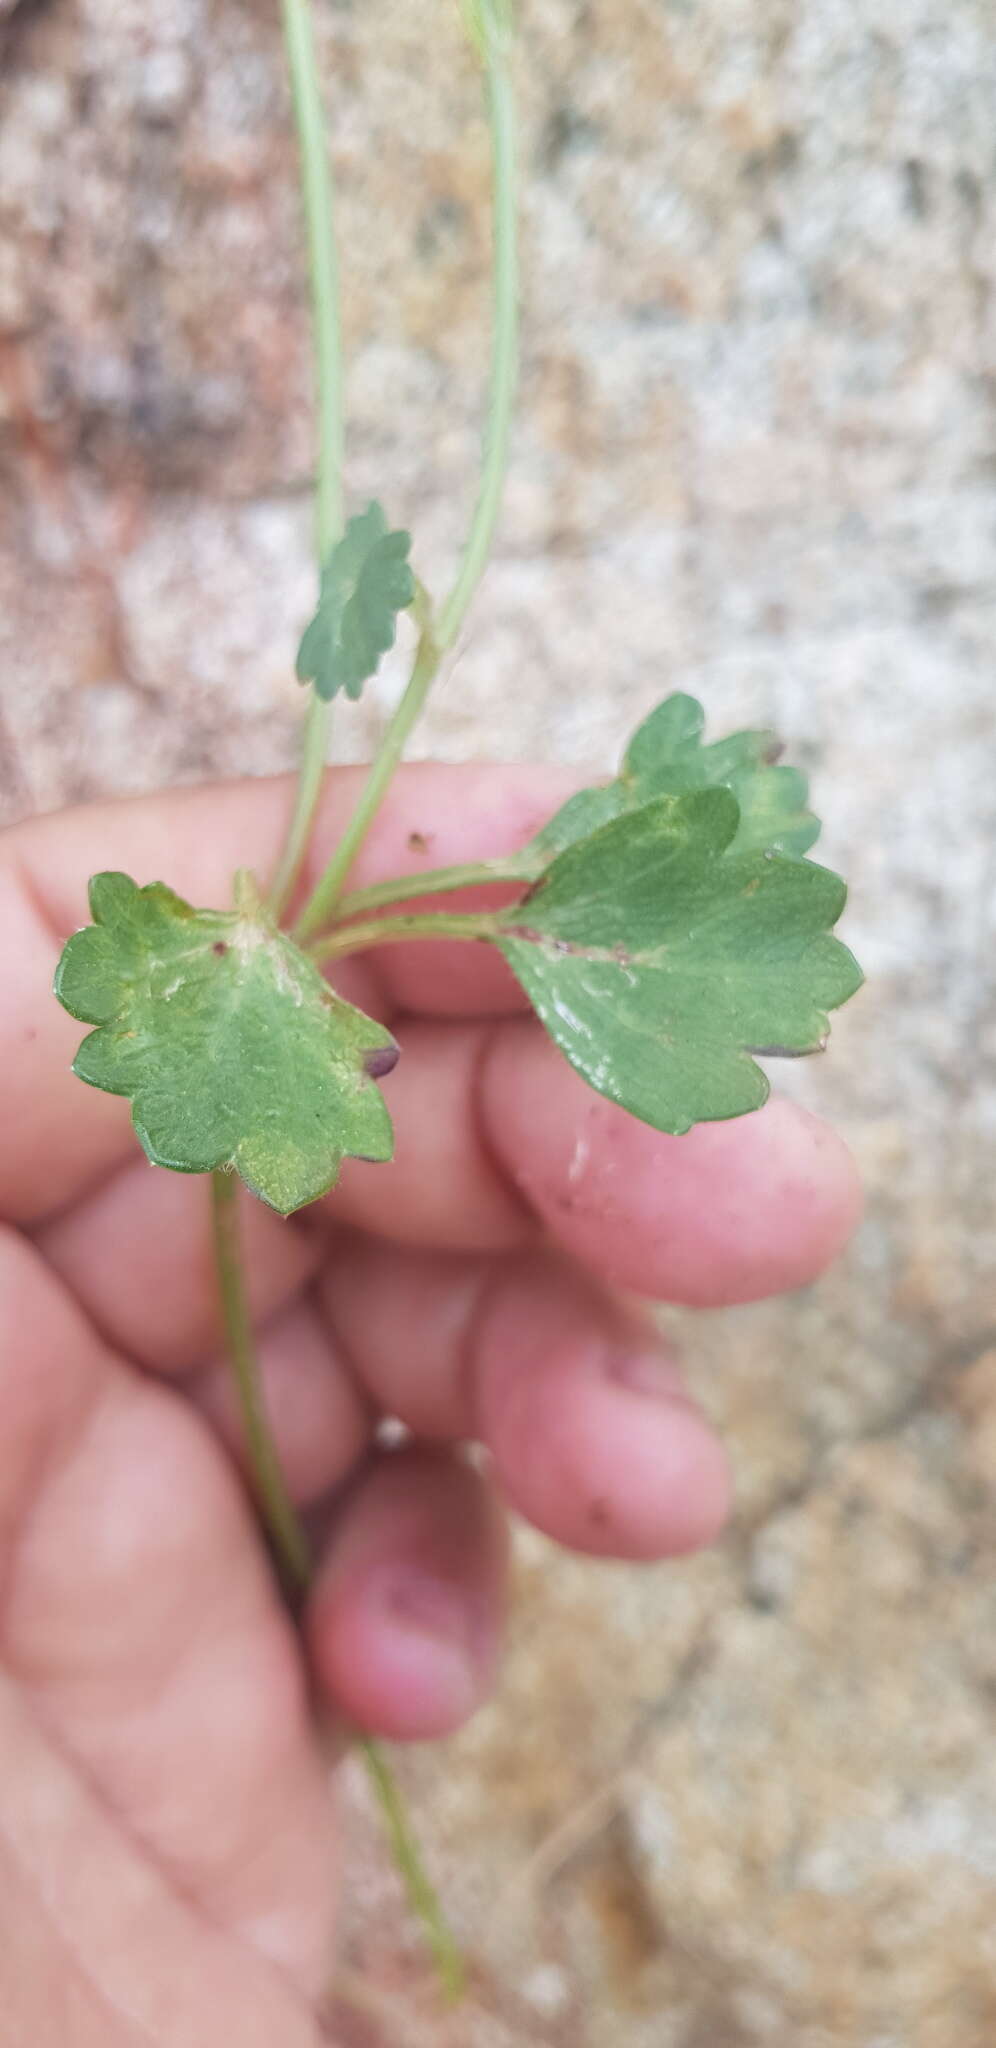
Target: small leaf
(366,582)
(659,960)
(666,757)
(232,1047)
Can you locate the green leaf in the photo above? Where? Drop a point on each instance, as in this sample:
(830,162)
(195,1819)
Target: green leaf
(666,757)
(366,582)
(660,960)
(232,1047)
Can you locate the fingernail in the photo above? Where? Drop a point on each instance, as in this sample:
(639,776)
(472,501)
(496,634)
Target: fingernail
(652,1373)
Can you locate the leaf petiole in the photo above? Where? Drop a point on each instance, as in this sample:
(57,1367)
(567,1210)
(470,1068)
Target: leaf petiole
(436,640)
(322,903)
(480,874)
(421,1891)
(289,1540)
(504,342)
(316,188)
(393,931)
(288,1537)
(293,1554)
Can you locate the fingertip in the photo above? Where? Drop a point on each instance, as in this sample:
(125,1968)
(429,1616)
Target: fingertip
(593,1435)
(404,1620)
(397,1656)
(730,1212)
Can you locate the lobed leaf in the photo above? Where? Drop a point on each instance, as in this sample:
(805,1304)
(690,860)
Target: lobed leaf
(660,959)
(665,757)
(366,582)
(233,1049)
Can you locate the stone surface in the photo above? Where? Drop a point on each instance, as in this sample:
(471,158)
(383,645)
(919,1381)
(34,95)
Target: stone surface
(748,1800)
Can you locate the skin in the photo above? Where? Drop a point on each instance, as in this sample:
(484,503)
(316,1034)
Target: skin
(168,1847)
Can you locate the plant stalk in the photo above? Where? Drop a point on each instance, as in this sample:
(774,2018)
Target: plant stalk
(293,1555)
(504,346)
(393,931)
(288,1538)
(321,905)
(323,270)
(289,1541)
(477,874)
(437,640)
(447,1956)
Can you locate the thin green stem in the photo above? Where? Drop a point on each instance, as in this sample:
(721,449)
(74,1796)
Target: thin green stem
(420,1891)
(436,641)
(323,271)
(316,192)
(321,905)
(289,1540)
(293,1556)
(288,1537)
(393,931)
(437,882)
(309,788)
(504,347)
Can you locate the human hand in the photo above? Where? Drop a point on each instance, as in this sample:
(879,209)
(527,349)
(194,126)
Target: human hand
(167,1845)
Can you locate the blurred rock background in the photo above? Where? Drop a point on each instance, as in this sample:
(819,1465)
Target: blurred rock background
(751,1799)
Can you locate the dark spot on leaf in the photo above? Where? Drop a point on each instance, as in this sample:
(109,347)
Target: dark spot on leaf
(598,1513)
(382,1060)
(219,947)
(420,842)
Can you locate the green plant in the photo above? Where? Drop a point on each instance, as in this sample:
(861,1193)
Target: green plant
(666,926)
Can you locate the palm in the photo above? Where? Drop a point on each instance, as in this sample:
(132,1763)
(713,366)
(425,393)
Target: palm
(148,1665)
(153,1681)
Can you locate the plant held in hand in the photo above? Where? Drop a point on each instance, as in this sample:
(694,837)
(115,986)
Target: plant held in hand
(666,926)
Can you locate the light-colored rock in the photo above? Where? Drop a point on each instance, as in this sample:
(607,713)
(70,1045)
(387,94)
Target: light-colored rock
(747,1800)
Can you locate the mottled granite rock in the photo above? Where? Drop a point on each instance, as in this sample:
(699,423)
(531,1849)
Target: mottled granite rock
(748,1800)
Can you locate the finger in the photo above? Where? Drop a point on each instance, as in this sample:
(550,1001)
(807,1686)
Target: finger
(404,1621)
(137,1253)
(732,1212)
(320,1421)
(582,1407)
(443,1186)
(593,1436)
(137,1249)
(143,1624)
(59,1136)
(497,1140)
